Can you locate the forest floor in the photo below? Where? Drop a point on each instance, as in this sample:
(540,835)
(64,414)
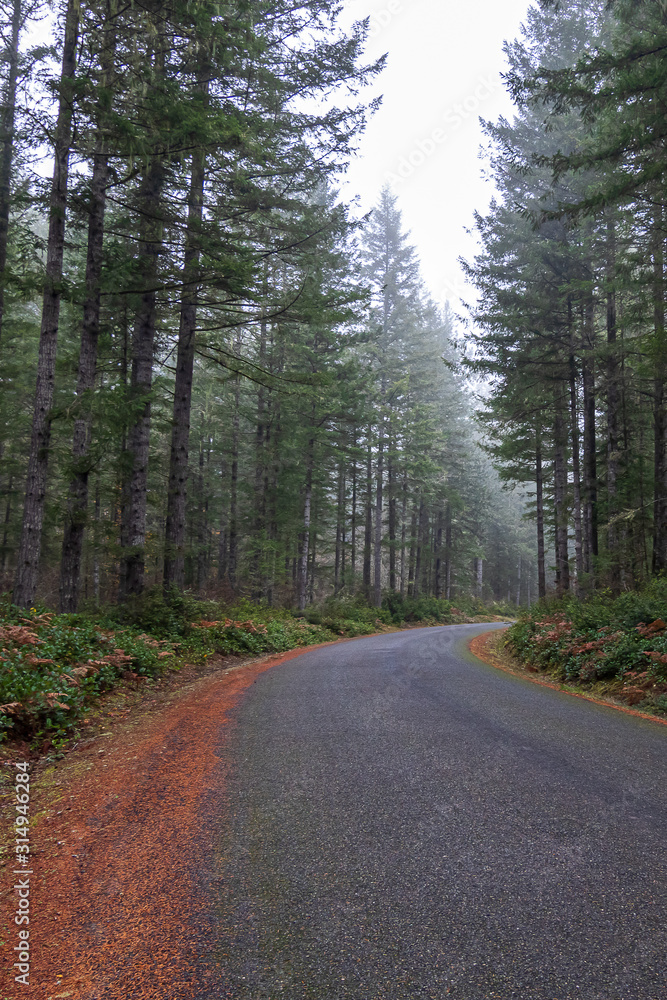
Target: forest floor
(490,647)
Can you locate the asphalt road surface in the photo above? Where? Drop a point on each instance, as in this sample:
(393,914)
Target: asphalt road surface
(405,821)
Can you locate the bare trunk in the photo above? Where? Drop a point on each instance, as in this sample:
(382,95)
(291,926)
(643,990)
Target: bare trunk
(613,407)
(590,472)
(368,530)
(5,527)
(660,402)
(339,568)
(448,553)
(233,489)
(353,525)
(438,557)
(479,577)
(33,509)
(133,528)
(77,501)
(576,466)
(377,589)
(413,552)
(404,514)
(302,577)
(416,580)
(174,553)
(392,516)
(539,504)
(560,496)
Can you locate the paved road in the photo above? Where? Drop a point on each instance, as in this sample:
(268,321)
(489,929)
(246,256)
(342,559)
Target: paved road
(408,822)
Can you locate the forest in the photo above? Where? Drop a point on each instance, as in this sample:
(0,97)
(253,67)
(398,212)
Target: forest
(218,376)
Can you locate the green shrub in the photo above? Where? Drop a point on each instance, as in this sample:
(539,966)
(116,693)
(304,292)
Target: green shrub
(54,665)
(599,639)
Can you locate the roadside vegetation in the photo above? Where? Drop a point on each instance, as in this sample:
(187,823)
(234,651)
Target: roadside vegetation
(610,646)
(54,668)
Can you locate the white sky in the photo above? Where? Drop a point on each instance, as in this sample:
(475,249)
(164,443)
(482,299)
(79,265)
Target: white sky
(443,73)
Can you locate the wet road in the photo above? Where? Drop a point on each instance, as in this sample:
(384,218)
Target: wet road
(404,821)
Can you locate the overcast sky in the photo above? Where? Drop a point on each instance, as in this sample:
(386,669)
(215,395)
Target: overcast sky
(443,72)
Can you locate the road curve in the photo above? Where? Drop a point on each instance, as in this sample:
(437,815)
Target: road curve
(404,821)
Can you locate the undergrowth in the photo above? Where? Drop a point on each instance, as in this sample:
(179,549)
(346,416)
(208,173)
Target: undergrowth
(618,642)
(53,668)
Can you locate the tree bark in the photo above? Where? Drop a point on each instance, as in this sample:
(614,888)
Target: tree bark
(560,496)
(539,505)
(377,577)
(340,528)
(576,463)
(133,528)
(438,557)
(302,577)
(174,554)
(77,500)
(33,509)
(479,577)
(7,122)
(368,529)
(613,407)
(233,489)
(448,553)
(404,514)
(353,525)
(412,554)
(391,489)
(659,562)
(417,580)
(590,472)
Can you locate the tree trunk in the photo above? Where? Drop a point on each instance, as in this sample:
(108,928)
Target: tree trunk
(560,496)
(417,580)
(302,577)
(479,577)
(368,531)
(424,534)
(202,515)
(174,553)
(77,501)
(233,489)
(7,139)
(35,493)
(438,557)
(391,489)
(353,525)
(340,527)
(590,471)
(5,527)
(412,554)
(613,407)
(660,401)
(576,465)
(539,505)
(404,514)
(448,553)
(377,589)
(133,533)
